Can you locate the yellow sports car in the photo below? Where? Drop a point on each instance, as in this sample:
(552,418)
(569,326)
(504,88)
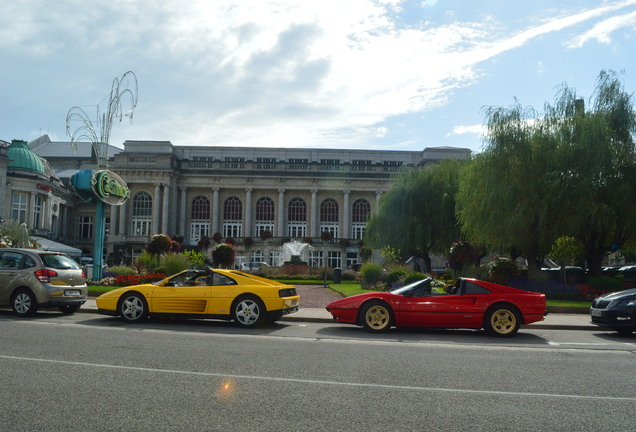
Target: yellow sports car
(246,299)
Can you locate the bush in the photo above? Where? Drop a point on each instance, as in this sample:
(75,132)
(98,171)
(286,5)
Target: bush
(605,283)
(348,275)
(145,263)
(122,270)
(588,293)
(173,263)
(395,277)
(223,255)
(371,273)
(460,255)
(501,270)
(413,277)
(128,280)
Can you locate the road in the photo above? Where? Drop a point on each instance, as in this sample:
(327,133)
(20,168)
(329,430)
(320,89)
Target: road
(87,372)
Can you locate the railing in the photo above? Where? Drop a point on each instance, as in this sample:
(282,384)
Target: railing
(293,167)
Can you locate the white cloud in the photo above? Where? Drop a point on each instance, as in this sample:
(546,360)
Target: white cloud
(468,129)
(601,31)
(258,72)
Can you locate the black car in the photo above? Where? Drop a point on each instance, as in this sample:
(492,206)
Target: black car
(616,310)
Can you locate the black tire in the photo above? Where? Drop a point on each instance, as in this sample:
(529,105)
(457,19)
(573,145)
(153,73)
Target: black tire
(24,303)
(624,330)
(273,317)
(376,317)
(133,307)
(248,311)
(69,309)
(502,321)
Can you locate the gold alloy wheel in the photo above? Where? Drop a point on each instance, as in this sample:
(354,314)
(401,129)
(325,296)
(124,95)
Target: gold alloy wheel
(503,321)
(377,317)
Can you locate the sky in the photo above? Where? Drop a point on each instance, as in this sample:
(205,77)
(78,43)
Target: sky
(354,74)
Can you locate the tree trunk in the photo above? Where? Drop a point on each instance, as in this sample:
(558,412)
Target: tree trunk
(594,262)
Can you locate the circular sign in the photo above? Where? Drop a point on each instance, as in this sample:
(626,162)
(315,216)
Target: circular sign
(109,187)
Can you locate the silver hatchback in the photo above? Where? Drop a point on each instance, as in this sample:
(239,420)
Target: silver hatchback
(30,279)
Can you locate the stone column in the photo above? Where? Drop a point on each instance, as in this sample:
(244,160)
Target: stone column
(215,212)
(31,210)
(64,222)
(183,214)
(346,216)
(280,229)
(48,212)
(156,215)
(165,213)
(122,218)
(313,227)
(248,213)
(114,211)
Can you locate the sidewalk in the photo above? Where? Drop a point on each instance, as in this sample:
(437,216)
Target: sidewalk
(554,321)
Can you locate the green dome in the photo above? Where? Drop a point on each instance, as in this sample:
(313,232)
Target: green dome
(22,158)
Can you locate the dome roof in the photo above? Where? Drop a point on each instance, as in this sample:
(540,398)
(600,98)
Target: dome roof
(22,158)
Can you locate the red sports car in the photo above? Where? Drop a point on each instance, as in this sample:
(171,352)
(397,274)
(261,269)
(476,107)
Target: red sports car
(471,303)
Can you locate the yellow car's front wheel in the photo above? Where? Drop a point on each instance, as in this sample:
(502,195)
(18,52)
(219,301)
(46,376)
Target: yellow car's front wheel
(133,307)
(502,321)
(376,316)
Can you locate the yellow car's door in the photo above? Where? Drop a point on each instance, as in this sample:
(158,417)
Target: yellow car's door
(222,293)
(185,293)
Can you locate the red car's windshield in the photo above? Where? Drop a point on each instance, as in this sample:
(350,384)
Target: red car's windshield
(416,289)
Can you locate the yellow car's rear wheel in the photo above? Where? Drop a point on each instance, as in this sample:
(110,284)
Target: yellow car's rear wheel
(248,311)
(502,321)
(376,316)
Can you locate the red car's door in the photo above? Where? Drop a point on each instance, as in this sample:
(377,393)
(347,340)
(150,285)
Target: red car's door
(429,311)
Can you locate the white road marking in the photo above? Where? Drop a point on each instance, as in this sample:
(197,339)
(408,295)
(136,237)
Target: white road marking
(317,382)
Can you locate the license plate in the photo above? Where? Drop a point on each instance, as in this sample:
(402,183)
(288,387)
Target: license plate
(73,293)
(596,312)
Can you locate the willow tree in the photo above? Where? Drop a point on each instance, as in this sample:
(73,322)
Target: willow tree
(417,215)
(506,193)
(597,185)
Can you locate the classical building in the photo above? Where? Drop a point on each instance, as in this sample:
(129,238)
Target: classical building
(259,197)
(31,193)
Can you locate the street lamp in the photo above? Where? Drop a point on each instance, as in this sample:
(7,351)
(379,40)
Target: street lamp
(122,92)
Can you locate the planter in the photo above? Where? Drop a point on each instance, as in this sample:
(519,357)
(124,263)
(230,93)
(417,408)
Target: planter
(292,269)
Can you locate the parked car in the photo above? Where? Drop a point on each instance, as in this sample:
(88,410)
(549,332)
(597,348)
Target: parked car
(616,310)
(253,265)
(471,303)
(31,279)
(628,274)
(244,298)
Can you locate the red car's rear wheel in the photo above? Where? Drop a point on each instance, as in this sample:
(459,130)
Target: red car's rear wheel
(376,316)
(502,321)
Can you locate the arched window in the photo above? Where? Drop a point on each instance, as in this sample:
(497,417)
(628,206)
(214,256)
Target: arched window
(232,217)
(361,210)
(265,209)
(199,219)
(297,210)
(297,218)
(233,209)
(329,217)
(200,208)
(142,204)
(329,210)
(264,216)
(141,223)
(360,217)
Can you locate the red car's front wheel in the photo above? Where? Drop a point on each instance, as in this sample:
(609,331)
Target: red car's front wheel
(376,316)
